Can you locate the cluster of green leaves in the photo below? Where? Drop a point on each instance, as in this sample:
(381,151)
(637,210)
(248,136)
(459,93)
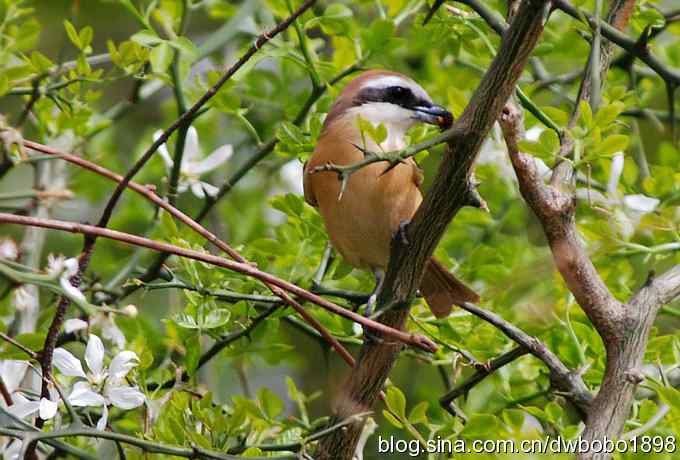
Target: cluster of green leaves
(503,254)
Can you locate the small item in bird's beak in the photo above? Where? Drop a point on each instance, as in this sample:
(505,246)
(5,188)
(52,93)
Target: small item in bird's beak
(435,115)
(445,121)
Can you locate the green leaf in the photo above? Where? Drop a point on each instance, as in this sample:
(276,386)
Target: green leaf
(554,412)
(40,62)
(390,418)
(336,20)
(72,34)
(586,114)
(146,38)
(396,401)
(215,318)
(193,353)
(613,144)
(85,37)
(479,426)
(608,114)
(377,37)
(419,413)
(270,403)
(161,57)
(550,143)
(186,47)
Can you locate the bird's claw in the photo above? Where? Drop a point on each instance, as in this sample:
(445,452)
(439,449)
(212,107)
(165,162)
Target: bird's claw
(403,228)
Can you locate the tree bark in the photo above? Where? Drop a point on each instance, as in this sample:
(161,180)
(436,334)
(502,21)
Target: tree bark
(451,190)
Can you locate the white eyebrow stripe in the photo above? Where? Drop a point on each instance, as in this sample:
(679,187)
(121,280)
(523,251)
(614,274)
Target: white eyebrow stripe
(393,80)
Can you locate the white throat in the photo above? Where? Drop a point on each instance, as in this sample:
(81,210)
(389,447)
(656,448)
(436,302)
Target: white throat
(396,120)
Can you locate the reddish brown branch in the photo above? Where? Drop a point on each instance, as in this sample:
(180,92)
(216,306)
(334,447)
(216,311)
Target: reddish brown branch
(148,193)
(243,268)
(90,239)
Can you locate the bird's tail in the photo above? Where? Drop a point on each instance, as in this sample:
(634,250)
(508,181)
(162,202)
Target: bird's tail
(442,290)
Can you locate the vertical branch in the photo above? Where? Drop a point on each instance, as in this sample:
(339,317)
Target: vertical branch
(624,328)
(450,191)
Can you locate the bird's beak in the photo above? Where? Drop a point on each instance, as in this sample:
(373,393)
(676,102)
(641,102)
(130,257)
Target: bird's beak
(434,115)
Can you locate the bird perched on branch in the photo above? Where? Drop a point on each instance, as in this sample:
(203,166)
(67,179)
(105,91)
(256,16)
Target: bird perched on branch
(363,215)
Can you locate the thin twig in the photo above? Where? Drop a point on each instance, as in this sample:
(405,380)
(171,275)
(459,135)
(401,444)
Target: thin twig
(243,268)
(562,378)
(481,373)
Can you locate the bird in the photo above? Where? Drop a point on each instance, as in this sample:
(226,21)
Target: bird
(377,201)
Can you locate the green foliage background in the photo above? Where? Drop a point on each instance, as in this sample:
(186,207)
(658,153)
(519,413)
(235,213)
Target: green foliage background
(278,383)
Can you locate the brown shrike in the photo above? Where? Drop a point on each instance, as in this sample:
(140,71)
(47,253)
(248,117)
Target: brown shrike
(363,219)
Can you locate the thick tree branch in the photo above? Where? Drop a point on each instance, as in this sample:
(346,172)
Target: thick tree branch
(448,194)
(624,328)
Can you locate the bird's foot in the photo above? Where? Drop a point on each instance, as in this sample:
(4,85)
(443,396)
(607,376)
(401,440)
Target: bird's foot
(403,227)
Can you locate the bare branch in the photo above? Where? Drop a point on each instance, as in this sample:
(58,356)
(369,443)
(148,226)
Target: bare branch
(482,372)
(244,268)
(561,377)
(612,31)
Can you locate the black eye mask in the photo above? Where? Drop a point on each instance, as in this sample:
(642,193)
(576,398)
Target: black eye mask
(397,95)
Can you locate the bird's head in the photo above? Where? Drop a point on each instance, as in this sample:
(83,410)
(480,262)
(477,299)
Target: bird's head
(390,98)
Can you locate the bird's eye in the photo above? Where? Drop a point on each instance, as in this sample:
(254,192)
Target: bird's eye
(398,92)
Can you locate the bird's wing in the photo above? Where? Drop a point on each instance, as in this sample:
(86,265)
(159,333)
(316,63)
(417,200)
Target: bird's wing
(417,174)
(307,187)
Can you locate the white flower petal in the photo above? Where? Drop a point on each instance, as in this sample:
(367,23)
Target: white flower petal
(209,189)
(13,451)
(125,397)
(197,189)
(122,363)
(192,151)
(83,395)
(8,249)
(103,420)
(70,267)
(12,373)
(48,409)
(641,203)
(163,151)
(94,357)
(68,364)
(55,264)
(74,324)
(71,291)
(23,300)
(213,161)
(615,173)
(24,409)
(292,176)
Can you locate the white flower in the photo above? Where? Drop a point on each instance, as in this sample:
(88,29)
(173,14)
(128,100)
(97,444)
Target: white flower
(22,407)
(9,249)
(194,165)
(65,269)
(102,386)
(12,449)
(22,299)
(130,310)
(12,373)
